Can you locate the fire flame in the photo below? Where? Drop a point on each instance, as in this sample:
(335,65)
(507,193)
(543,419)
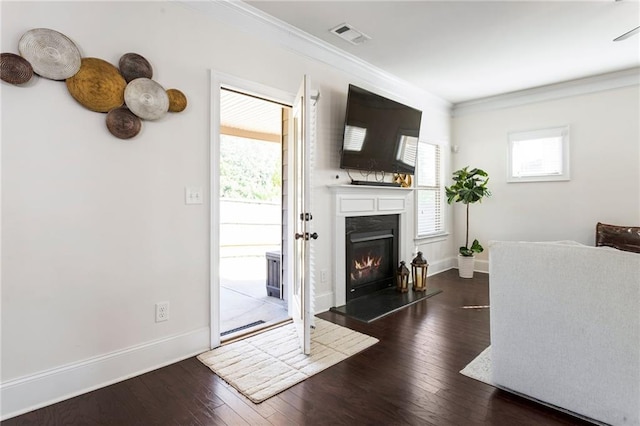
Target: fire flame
(365,267)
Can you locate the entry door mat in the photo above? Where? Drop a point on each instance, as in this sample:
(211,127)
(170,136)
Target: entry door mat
(264,365)
(382,303)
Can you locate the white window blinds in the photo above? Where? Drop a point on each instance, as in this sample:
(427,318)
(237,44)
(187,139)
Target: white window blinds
(428,191)
(539,155)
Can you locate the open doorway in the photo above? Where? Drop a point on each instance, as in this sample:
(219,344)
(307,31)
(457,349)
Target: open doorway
(252,213)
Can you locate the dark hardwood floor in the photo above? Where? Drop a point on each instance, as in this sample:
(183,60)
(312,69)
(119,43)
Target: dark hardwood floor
(411,377)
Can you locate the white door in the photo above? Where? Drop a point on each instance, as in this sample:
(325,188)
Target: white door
(302,218)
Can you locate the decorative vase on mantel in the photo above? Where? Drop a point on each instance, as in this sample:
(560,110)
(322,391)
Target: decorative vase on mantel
(466,265)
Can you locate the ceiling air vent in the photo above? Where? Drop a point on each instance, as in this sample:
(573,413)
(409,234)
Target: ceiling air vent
(350,34)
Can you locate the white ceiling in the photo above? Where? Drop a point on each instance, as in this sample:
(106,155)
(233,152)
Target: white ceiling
(468,50)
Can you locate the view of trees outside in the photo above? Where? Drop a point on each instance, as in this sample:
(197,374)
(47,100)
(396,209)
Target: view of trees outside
(250,169)
(250,204)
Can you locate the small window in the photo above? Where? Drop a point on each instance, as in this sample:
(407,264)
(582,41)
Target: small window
(539,155)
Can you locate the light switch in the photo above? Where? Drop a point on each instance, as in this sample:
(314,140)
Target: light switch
(193,195)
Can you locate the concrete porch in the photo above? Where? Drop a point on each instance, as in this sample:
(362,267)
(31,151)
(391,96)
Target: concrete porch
(244,299)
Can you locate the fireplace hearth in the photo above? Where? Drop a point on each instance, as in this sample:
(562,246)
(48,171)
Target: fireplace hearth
(371,254)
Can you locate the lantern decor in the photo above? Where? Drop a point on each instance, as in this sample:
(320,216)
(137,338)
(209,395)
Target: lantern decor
(402,278)
(419,267)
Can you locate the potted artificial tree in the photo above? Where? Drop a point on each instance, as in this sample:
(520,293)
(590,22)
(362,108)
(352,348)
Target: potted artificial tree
(470,186)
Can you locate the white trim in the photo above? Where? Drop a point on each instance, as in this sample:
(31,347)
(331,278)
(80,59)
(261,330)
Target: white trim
(481,266)
(432,238)
(582,86)
(452,263)
(47,387)
(254,21)
(214,211)
(442,265)
(323,302)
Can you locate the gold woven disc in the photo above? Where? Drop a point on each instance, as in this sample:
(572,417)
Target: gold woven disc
(98,85)
(177,100)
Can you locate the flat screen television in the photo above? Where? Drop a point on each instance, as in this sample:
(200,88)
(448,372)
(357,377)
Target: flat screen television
(380,135)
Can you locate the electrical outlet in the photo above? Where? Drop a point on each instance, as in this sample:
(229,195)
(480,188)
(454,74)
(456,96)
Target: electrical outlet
(162,311)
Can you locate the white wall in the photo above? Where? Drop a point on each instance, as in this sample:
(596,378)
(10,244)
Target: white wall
(605,169)
(95,230)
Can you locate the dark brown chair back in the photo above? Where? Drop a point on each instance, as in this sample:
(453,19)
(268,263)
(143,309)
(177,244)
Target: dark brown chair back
(625,238)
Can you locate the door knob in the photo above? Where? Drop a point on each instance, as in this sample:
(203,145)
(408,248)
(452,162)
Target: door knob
(306,236)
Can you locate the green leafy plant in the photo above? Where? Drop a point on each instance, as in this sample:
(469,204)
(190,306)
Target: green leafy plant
(470,186)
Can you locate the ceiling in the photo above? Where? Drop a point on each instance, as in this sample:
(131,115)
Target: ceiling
(468,50)
(242,114)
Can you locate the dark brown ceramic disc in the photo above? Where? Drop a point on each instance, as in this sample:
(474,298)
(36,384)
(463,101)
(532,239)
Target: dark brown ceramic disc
(98,85)
(134,66)
(52,54)
(122,123)
(177,100)
(15,69)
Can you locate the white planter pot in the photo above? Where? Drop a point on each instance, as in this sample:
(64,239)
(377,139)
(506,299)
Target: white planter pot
(465,266)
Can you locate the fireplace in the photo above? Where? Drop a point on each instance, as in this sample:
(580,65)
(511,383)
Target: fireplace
(371,250)
(359,201)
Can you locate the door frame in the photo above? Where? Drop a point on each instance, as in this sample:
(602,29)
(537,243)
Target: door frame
(221,80)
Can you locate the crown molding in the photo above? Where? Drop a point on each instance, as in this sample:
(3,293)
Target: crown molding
(582,86)
(253,21)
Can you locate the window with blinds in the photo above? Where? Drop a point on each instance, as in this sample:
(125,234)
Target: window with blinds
(428,192)
(539,155)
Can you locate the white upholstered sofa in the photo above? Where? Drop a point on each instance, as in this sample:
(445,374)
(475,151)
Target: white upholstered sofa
(565,327)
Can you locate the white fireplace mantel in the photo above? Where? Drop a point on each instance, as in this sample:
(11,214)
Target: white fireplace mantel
(364,200)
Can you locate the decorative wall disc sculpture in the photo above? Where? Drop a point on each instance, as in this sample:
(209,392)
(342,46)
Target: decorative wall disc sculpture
(15,69)
(134,66)
(177,100)
(51,54)
(122,123)
(98,85)
(94,83)
(146,99)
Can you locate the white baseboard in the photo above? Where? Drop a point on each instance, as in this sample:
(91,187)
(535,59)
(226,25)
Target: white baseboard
(481,266)
(442,265)
(452,263)
(24,394)
(324,302)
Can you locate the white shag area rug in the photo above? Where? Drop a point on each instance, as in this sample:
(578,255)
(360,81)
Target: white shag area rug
(480,368)
(264,365)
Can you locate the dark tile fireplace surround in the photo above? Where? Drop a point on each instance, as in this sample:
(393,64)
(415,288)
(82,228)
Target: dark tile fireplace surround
(371,254)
